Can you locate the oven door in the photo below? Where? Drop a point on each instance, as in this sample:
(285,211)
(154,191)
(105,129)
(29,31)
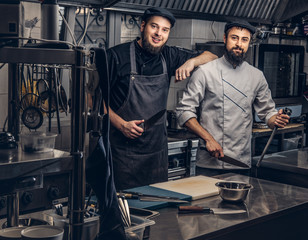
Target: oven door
(282,66)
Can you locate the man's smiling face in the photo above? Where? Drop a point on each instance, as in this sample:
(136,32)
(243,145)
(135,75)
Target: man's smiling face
(155,33)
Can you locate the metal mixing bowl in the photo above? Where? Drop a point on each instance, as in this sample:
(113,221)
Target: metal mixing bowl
(233,191)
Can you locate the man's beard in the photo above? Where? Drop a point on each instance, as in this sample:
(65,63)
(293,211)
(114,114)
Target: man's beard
(234,59)
(147,46)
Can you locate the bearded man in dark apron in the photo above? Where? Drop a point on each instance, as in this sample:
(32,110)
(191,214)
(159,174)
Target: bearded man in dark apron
(140,73)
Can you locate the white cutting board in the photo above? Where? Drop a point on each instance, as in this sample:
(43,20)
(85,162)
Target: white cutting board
(197,187)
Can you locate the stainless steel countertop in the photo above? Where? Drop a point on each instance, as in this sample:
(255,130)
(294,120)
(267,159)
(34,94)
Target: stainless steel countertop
(295,161)
(267,201)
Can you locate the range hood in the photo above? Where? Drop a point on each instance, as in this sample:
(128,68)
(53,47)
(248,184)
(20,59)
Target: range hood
(255,11)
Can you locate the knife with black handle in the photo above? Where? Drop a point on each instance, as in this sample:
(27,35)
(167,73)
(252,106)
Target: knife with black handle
(150,198)
(230,160)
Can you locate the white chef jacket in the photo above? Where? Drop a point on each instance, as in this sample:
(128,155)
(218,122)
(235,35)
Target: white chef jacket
(226,98)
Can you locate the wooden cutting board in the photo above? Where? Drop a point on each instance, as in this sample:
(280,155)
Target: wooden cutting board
(197,187)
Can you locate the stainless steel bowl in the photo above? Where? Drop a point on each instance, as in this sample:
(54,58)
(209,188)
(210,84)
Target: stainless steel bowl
(233,191)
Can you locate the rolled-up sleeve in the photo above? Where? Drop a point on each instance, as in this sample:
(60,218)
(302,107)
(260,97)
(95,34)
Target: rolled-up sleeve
(192,97)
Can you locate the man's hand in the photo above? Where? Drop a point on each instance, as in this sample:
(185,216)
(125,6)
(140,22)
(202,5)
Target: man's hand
(280,120)
(183,72)
(131,129)
(214,148)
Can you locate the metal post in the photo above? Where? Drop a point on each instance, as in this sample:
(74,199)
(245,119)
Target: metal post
(13,111)
(77,147)
(13,210)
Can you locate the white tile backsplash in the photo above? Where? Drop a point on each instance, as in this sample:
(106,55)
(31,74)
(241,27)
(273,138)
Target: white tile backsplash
(4,79)
(182,42)
(3,109)
(182,28)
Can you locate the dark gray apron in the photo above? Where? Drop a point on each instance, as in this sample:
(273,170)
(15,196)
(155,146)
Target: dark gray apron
(142,161)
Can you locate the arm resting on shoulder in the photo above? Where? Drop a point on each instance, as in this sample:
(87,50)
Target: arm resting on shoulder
(184,71)
(211,145)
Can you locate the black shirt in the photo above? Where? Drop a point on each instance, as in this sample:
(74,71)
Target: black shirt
(147,64)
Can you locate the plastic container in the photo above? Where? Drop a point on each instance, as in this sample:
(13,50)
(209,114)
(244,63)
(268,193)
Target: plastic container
(90,227)
(42,232)
(37,141)
(290,143)
(136,231)
(12,233)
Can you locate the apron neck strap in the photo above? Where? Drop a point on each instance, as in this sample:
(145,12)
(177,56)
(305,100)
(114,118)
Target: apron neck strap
(133,60)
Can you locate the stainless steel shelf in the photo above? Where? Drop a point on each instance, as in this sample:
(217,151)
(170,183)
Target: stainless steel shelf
(37,55)
(15,163)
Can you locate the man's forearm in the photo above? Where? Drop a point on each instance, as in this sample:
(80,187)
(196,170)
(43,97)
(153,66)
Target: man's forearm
(203,58)
(194,126)
(184,71)
(212,146)
(271,122)
(116,120)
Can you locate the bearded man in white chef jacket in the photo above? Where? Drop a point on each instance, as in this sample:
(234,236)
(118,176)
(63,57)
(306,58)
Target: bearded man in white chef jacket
(227,90)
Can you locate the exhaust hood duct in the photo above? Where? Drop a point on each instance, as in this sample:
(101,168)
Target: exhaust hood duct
(258,11)
(254,11)
(50,22)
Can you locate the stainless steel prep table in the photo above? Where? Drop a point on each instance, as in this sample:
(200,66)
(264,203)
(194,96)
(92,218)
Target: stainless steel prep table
(15,163)
(20,171)
(275,211)
(290,167)
(266,132)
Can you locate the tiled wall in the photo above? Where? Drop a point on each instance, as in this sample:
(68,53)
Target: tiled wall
(195,31)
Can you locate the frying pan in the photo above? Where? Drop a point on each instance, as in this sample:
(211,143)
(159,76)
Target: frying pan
(46,94)
(46,97)
(29,99)
(32,117)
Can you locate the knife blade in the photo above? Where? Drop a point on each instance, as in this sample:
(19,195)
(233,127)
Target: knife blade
(198,209)
(233,161)
(230,160)
(150,198)
(152,120)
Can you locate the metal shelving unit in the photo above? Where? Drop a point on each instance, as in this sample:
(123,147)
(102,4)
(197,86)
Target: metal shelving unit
(75,58)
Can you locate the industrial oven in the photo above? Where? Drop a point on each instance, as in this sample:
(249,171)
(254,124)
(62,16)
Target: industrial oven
(181,157)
